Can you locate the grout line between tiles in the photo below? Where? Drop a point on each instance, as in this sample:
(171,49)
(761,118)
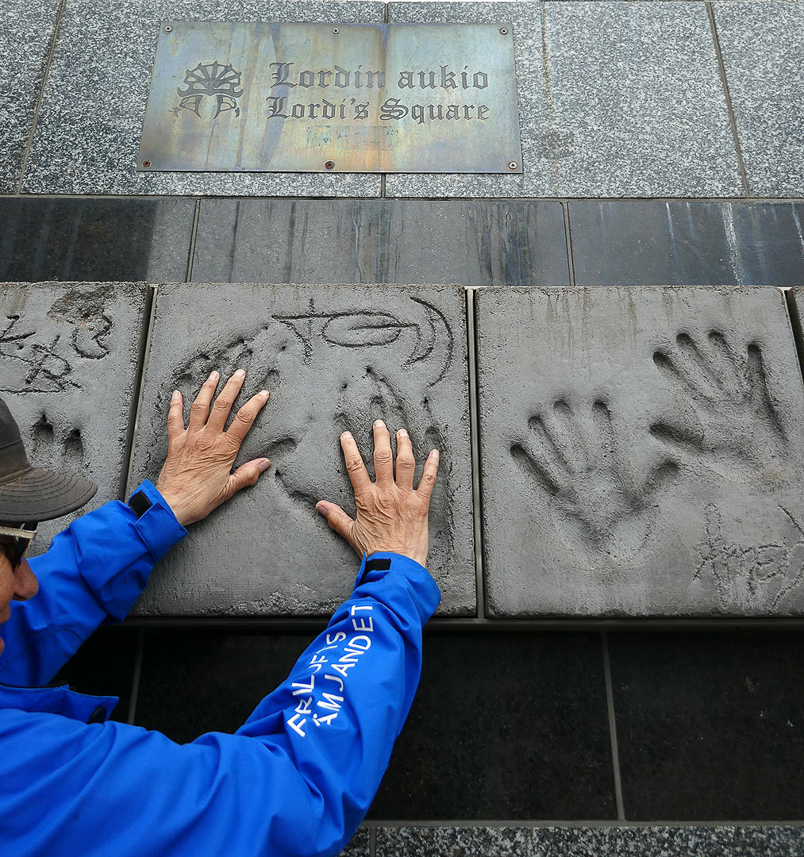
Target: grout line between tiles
(475,445)
(724,80)
(140,386)
(372,842)
(575,823)
(615,753)
(135,679)
(194,232)
(35,119)
(568,235)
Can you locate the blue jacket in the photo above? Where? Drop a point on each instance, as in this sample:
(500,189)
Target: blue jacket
(296,778)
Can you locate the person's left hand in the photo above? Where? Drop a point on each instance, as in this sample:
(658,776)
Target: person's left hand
(197,475)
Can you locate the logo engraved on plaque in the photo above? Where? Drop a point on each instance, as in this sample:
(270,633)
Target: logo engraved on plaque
(208,79)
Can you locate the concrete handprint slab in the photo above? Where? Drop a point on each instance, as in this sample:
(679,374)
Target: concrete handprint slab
(333,358)
(640,452)
(69,356)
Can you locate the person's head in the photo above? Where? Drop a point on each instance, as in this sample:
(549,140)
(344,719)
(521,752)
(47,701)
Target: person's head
(27,495)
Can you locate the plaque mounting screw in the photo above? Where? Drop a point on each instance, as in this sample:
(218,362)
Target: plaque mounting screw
(504,31)
(329,165)
(168,29)
(146,163)
(512,165)
(336,30)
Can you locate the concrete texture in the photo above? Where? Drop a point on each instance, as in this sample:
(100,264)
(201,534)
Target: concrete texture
(475,243)
(761,46)
(590,842)
(88,134)
(615,99)
(68,372)
(333,357)
(26,31)
(640,453)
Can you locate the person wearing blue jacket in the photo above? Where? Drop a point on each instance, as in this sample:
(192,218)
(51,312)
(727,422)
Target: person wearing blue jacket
(299,775)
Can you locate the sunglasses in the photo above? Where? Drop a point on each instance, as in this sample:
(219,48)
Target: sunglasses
(21,538)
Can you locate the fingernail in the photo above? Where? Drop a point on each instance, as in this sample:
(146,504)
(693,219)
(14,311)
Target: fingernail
(321,509)
(213,376)
(240,374)
(264,393)
(402,433)
(435,453)
(175,395)
(346,435)
(379,424)
(264,464)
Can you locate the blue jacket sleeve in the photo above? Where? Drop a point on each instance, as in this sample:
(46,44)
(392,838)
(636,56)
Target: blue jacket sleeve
(295,779)
(93,572)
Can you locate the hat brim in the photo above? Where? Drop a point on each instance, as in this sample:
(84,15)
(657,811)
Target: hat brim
(39,495)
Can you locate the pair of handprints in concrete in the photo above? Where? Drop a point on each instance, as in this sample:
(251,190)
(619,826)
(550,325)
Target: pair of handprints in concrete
(622,445)
(334,358)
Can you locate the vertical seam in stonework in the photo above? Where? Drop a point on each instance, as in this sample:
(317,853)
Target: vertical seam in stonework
(140,385)
(794,320)
(135,679)
(568,237)
(50,54)
(615,753)
(474,429)
(193,232)
(372,842)
(732,120)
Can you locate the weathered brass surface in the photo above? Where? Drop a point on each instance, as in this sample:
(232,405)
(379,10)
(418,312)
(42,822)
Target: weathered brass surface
(419,98)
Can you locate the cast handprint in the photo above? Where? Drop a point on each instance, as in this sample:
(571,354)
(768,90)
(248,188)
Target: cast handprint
(603,510)
(727,421)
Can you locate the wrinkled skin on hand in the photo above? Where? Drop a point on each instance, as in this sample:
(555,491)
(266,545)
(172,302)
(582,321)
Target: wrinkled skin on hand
(391,515)
(197,475)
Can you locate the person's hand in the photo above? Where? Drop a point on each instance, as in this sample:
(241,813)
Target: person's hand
(391,515)
(197,476)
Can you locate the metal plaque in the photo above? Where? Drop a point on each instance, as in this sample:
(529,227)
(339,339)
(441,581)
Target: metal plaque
(413,98)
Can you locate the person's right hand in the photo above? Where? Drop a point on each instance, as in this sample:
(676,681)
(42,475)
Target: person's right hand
(391,514)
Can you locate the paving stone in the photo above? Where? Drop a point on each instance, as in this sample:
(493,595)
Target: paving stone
(615,99)
(687,243)
(88,133)
(639,452)
(100,240)
(522,741)
(761,47)
(381,241)
(69,358)
(589,842)
(709,725)
(333,357)
(26,31)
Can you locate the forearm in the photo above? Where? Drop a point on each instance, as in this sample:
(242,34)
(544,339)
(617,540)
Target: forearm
(93,572)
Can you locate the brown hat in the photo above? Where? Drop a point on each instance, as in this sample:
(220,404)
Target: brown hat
(30,494)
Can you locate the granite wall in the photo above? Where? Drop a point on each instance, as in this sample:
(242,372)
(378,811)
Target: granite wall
(607,347)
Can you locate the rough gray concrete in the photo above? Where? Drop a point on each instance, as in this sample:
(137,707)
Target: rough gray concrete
(615,99)
(640,452)
(69,357)
(761,46)
(89,128)
(26,30)
(333,357)
(754,841)
(475,243)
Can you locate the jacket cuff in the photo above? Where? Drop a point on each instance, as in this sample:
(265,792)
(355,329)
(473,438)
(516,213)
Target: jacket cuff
(158,527)
(384,565)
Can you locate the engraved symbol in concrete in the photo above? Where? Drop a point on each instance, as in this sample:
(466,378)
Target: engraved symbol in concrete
(750,575)
(601,508)
(45,359)
(63,452)
(211,79)
(365,329)
(731,425)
